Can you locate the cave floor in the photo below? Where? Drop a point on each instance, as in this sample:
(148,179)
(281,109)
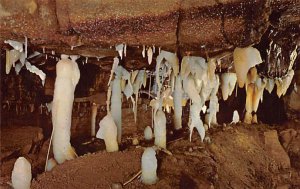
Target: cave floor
(234,156)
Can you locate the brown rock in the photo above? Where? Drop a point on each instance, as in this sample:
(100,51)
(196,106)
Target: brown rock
(275,149)
(287,136)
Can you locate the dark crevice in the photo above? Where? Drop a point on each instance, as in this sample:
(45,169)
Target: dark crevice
(177,32)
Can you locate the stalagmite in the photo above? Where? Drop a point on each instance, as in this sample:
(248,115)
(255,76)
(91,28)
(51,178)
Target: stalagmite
(249,98)
(51,164)
(228,81)
(213,109)
(235,117)
(148,135)
(149,166)
(93,119)
(244,59)
(67,77)
(108,132)
(116,105)
(160,129)
(195,121)
(154,103)
(21,174)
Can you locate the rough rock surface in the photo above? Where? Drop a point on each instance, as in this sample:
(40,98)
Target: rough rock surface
(274,147)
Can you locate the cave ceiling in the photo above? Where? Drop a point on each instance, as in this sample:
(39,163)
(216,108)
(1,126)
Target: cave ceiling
(92,28)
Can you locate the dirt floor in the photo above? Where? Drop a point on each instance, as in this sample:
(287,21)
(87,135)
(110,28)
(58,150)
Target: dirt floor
(232,156)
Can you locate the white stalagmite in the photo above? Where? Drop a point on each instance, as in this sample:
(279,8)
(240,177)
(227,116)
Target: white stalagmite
(51,164)
(178,92)
(93,119)
(154,103)
(195,121)
(67,77)
(108,132)
(116,105)
(244,59)
(213,109)
(249,99)
(21,174)
(149,167)
(235,117)
(228,81)
(160,130)
(148,135)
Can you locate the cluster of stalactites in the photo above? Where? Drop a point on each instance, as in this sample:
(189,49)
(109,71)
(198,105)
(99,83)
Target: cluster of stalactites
(245,60)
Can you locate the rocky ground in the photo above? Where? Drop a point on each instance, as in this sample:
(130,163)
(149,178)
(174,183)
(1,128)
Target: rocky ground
(232,156)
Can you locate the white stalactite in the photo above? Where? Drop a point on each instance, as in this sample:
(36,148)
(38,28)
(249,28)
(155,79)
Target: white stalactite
(228,81)
(114,67)
(270,85)
(21,174)
(144,51)
(67,77)
(12,56)
(120,49)
(244,59)
(150,55)
(15,44)
(35,70)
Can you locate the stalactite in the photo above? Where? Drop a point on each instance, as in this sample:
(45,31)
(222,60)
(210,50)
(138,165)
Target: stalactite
(244,59)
